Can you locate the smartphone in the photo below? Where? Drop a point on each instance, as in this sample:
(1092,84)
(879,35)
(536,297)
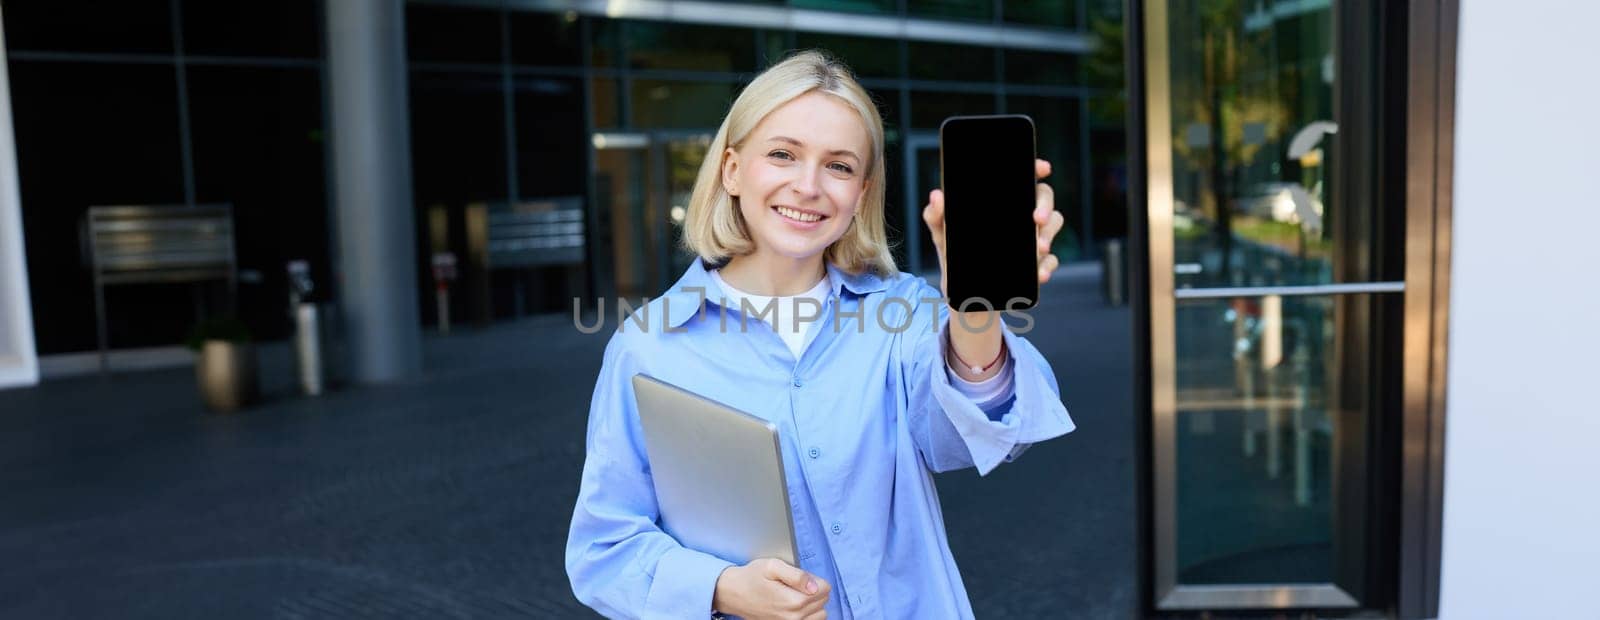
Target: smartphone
(986,171)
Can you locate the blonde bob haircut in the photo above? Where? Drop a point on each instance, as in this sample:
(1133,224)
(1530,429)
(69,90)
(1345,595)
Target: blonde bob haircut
(715,229)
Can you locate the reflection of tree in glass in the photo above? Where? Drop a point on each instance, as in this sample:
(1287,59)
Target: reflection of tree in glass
(1104,68)
(1229,103)
(684,157)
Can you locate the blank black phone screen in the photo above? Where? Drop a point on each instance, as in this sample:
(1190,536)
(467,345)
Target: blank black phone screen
(986,168)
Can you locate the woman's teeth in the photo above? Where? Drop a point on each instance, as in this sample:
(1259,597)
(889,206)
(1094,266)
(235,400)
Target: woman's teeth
(798,216)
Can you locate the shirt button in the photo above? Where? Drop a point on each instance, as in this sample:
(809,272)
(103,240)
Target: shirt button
(814,453)
(837,528)
(797,381)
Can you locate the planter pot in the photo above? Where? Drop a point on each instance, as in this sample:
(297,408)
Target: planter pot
(226,374)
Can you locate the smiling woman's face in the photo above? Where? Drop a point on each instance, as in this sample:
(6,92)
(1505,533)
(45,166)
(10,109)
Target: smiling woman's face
(800,175)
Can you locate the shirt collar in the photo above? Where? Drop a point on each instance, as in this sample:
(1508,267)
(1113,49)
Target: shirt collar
(696,288)
(862,283)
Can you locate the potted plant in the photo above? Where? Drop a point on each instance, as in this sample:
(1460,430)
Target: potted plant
(225,363)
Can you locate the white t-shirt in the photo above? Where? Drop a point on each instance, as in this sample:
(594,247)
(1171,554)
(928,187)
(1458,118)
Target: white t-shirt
(782,318)
(986,393)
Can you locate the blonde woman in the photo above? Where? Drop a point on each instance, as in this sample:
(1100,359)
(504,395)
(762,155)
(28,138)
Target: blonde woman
(880,388)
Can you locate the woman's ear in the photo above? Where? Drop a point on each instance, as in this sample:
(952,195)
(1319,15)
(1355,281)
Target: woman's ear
(730,172)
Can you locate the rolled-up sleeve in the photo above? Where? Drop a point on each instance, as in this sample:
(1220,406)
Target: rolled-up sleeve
(950,430)
(618,560)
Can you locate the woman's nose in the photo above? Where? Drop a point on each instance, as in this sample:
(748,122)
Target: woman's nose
(805,184)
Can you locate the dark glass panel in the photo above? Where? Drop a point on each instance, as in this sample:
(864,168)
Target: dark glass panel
(258,145)
(868,57)
(929,108)
(944,61)
(1108,180)
(140,26)
(550,138)
(848,6)
(894,207)
(604,93)
(1051,13)
(605,46)
(284,28)
(1056,131)
(93,134)
(452,34)
(774,46)
(963,10)
(661,104)
(1041,68)
(888,102)
(655,45)
(546,39)
(928,178)
(458,139)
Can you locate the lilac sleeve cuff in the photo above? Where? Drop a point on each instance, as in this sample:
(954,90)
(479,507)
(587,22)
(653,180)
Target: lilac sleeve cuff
(988,393)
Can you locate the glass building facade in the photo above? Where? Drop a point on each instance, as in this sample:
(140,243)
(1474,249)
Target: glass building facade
(513,106)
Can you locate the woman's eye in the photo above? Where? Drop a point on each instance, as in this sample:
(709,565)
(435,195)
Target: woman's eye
(787,156)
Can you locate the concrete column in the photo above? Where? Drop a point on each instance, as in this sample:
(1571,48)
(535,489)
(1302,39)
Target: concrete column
(370,132)
(19,361)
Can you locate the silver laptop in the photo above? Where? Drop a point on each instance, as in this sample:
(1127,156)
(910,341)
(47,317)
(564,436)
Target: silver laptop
(718,474)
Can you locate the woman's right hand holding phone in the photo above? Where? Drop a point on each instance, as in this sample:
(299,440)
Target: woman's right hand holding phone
(770,588)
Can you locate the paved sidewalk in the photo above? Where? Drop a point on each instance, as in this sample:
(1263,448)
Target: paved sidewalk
(448,496)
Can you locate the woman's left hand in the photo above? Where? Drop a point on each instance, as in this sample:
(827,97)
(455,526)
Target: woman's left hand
(1047,223)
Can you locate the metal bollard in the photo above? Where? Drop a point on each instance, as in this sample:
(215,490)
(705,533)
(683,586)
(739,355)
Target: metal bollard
(444,272)
(1111,273)
(308,348)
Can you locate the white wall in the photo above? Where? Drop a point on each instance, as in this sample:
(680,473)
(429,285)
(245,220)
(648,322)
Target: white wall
(19,364)
(1522,443)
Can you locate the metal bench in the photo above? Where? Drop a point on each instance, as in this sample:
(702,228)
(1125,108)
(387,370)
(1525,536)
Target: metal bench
(157,244)
(543,232)
(536,233)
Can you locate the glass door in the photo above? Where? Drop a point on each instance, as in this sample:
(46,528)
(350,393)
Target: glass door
(679,156)
(625,206)
(915,252)
(642,185)
(1272,277)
